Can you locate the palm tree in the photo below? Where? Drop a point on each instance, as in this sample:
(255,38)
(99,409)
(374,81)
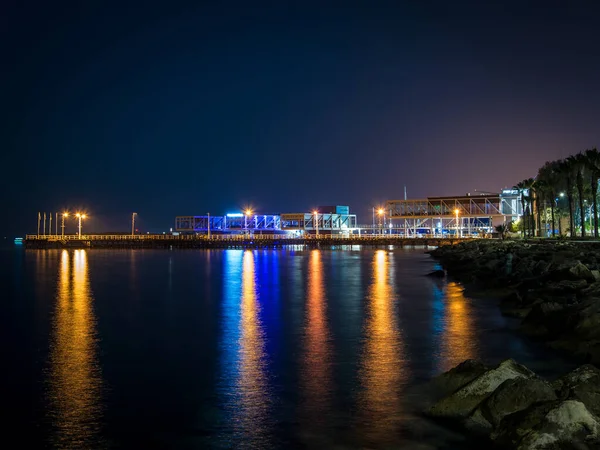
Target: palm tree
(579,163)
(502,229)
(540,192)
(565,172)
(592,160)
(548,174)
(521,187)
(526,191)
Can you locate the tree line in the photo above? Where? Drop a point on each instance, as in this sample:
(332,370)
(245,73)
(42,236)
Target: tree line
(563,188)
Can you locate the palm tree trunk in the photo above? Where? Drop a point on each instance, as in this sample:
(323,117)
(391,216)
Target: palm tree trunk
(552,204)
(570,199)
(523,222)
(595,203)
(581,210)
(539,216)
(560,233)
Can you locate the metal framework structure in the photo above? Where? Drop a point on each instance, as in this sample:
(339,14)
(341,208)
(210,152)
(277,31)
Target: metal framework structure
(241,223)
(330,223)
(466,215)
(228,223)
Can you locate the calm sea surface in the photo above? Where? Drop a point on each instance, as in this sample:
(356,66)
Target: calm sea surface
(236,349)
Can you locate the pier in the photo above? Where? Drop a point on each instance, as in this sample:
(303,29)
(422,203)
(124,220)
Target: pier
(167,241)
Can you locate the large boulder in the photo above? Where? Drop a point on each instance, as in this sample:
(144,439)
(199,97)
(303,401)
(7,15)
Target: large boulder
(545,318)
(572,270)
(463,402)
(592,289)
(581,384)
(511,396)
(587,319)
(550,425)
(452,380)
(580,271)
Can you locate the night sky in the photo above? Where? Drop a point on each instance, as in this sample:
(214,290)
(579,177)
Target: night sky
(186,108)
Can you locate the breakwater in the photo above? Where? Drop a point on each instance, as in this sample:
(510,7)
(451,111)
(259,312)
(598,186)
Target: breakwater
(553,287)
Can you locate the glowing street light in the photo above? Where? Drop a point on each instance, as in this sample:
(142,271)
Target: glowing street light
(80,217)
(247,213)
(62,226)
(316,214)
(456,212)
(380,213)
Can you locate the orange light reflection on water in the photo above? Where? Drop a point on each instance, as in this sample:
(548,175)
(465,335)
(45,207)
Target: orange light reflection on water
(458,338)
(316,381)
(74,377)
(382,371)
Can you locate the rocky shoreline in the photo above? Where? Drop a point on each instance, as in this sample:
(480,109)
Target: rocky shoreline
(516,409)
(552,286)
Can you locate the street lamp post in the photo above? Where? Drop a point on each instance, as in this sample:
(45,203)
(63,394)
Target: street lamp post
(80,217)
(456,212)
(316,214)
(246,215)
(62,226)
(380,214)
(208,225)
(133,223)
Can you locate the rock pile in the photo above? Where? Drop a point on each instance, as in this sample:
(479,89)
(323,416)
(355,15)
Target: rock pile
(553,286)
(517,409)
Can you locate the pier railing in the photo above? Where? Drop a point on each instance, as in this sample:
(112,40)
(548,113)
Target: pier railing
(240,237)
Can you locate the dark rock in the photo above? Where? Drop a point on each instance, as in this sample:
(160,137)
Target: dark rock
(451,381)
(463,402)
(512,396)
(587,319)
(513,300)
(580,272)
(581,384)
(541,268)
(592,289)
(545,318)
(437,274)
(565,286)
(549,425)
(519,313)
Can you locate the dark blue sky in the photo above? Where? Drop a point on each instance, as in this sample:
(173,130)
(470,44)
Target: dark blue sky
(186,108)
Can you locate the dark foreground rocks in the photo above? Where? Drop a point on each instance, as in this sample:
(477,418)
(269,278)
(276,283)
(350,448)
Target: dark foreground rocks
(553,286)
(517,409)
